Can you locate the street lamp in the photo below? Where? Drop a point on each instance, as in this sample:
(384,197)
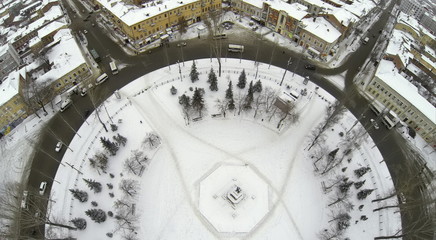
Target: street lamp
(180,70)
(287,65)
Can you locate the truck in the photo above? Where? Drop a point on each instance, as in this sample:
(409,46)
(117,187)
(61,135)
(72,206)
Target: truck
(365,40)
(95,55)
(390,119)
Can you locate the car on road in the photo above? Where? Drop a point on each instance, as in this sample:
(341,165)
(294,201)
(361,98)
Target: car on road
(374,123)
(181,44)
(83,92)
(402,197)
(58,147)
(24,200)
(310,67)
(85,31)
(42,188)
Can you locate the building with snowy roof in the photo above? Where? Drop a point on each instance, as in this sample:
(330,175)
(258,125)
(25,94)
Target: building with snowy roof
(9,60)
(413,27)
(20,38)
(12,105)
(147,22)
(395,92)
(340,18)
(318,36)
(413,8)
(315,7)
(45,35)
(399,49)
(68,66)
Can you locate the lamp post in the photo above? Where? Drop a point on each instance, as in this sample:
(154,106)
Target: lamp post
(287,65)
(180,70)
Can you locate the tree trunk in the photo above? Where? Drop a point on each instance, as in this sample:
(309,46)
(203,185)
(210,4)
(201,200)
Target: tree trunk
(390,237)
(384,198)
(385,207)
(61,225)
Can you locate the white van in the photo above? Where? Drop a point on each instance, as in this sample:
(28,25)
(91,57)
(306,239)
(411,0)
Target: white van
(65,104)
(101,79)
(113,67)
(365,40)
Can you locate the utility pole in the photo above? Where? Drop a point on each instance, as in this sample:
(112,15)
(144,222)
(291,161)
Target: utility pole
(287,65)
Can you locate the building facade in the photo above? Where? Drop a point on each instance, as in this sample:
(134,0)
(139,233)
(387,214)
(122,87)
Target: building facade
(9,60)
(142,25)
(399,95)
(413,8)
(318,36)
(13,109)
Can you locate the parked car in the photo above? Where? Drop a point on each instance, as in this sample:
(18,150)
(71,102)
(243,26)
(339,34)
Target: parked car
(310,67)
(42,188)
(58,147)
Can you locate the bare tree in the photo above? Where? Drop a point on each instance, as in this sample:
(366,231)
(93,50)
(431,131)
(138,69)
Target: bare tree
(152,140)
(23,212)
(269,96)
(329,234)
(136,163)
(212,23)
(423,228)
(130,187)
(334,113)
(96,98)
(335,181)
(340,199)
(222,106)
(125,214)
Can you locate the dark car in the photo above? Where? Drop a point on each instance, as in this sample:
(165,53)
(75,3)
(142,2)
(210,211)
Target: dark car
(310,67)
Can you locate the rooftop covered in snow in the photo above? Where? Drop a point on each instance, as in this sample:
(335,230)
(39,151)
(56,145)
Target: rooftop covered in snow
(10,86)
(54,13)
(387,72)
(400,45)
(65,56)
(321,28)
(131,14)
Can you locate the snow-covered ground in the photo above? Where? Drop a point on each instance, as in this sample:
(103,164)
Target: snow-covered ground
(170,203)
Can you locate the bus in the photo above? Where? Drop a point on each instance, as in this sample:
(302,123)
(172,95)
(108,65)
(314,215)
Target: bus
(376,107)
(236,48)
(114,68)
(101,79)
(95,55)
(390,119)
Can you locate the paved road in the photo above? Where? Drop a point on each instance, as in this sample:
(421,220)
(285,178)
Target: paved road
(200,48)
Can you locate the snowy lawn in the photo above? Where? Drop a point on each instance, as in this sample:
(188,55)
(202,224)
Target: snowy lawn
(165,201)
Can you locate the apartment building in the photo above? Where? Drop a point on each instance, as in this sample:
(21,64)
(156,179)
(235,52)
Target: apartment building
(9,60)
(68,67)
(21,37)
(391,89)
(146,23)
(13,110)
(413,8)
(318,36)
